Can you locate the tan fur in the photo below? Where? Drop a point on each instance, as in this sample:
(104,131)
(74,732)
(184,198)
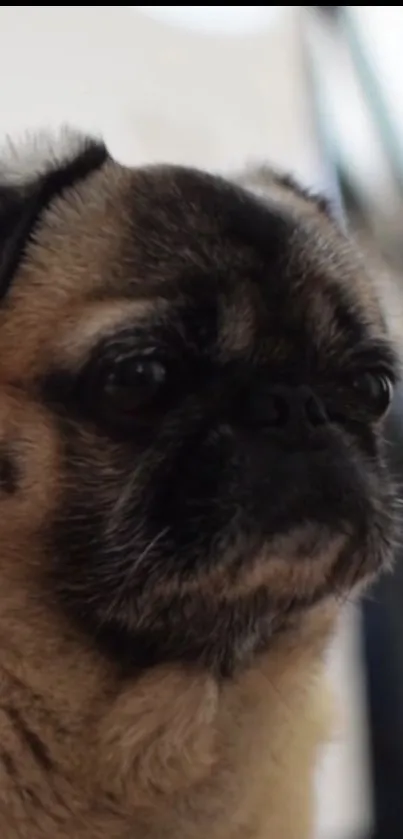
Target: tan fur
(170,754)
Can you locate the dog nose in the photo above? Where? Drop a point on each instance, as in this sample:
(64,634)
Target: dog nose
(286,409)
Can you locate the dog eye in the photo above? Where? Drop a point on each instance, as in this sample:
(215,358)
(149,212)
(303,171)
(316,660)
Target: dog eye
(375,392)
(133,383)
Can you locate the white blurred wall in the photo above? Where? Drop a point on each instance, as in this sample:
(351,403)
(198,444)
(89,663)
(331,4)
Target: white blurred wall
(181,95)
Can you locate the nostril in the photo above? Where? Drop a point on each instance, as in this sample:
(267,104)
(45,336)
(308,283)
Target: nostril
(315,411)
(280,408)
(264,409)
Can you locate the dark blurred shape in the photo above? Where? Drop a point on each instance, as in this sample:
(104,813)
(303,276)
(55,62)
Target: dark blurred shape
(383,650)
(331,10)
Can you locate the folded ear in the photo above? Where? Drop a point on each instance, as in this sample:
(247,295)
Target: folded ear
(31,176)
(271,184)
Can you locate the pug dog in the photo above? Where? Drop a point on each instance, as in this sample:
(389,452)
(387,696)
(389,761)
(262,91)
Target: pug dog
(194,372)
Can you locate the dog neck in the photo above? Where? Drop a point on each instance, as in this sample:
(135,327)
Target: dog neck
(83,745)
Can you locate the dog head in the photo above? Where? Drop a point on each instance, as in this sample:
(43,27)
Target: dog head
(193,377)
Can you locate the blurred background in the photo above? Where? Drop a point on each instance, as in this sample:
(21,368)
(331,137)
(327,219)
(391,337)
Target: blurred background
(315,90)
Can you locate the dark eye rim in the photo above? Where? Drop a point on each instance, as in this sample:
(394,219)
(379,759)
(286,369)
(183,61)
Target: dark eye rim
(110,376)
(345,404)
(377,404)
(114,380)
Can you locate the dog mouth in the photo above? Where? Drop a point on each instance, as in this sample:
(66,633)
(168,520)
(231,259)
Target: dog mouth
(308,564)
(220,615)
(294,566)
(249,590)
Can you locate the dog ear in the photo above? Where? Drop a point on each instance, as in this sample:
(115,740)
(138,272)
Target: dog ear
(268,183)
(31,176)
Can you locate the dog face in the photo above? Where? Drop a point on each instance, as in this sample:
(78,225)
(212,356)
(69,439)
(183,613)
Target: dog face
(209,370)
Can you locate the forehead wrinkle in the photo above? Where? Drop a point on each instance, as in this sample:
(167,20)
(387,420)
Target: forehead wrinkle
(236,324)
(325,298)
(99,320)
(331,263)
(322,323)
